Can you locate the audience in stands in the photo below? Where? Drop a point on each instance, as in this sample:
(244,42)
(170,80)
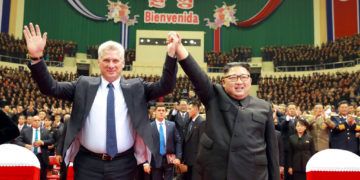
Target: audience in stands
(343,49)
(55,50)
(306,91)
(240,54)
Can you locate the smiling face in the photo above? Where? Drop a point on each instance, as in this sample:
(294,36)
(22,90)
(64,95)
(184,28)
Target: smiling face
(237,82)
(111,60)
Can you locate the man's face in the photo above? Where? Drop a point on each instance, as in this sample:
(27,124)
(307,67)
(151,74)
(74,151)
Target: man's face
(111,65)
(193,110)
(291,110)
(160,113)
(318,110)
(36,122)
(183,106)
(343,109)
(19,109)
(42,115)
(237,82)
(29,120)
(21,120)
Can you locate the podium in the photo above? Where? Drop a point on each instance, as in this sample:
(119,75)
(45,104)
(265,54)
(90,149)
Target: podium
(18,163)
(333,164)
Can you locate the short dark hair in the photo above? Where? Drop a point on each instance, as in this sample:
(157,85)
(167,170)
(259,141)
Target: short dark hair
(343,102)
(195,104)
(230,65)
(160,105)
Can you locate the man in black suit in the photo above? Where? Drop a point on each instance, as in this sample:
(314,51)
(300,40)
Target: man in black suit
(239,139)
(180,117)
(111,154)
(37,140)
(192,138)
(8,129)
(168,147)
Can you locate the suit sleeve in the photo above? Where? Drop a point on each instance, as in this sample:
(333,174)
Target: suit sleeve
(339,127)
(166,83)
(48,139)
(198,78)
(178,144)
(48,86)
(272,150)
(291,154)
(20,140)
(281,149)
(8,129)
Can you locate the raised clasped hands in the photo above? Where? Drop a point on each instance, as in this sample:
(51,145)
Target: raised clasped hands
(35,42)
(172,41)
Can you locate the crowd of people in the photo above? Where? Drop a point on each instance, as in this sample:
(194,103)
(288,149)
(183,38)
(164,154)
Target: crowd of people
(342,49)
(55,50)
(216,60)
(306,91)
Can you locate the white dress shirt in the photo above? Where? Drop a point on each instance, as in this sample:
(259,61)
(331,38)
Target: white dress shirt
(164,128)
(93,133)
(33,139)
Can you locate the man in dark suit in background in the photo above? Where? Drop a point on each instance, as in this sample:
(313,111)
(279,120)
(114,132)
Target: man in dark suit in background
(111,154)
(37,140)
(8,129)
(192,138)
(239,139)
(180,117)
(168,147)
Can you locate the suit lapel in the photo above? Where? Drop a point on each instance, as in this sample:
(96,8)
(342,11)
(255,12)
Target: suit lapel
(167,133)
(126,90)
(91,93)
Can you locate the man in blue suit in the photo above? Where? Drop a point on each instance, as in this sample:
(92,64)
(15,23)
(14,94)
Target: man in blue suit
(168,147)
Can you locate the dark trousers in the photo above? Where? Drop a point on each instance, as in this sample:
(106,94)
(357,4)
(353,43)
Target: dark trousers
(165,172)
(188,175)
(88,167)
(43,166)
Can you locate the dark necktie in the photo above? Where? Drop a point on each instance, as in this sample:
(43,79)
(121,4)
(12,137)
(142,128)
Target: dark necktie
(191,125)
(111,143)
(162,140)
(36,139)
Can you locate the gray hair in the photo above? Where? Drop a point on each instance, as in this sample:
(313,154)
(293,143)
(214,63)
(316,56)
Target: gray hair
(111,45)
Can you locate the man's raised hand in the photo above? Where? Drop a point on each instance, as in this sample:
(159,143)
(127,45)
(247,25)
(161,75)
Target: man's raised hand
(35,42)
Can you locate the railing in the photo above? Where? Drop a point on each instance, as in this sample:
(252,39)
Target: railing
(25,61)
(317,66)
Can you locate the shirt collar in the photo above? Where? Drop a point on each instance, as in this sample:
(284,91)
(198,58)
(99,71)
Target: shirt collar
(158,122)
(104,83)
(193,119)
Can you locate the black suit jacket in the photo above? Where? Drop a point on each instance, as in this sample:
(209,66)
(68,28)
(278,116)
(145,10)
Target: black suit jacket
(8,129)
(26,138)
(191,143)
(301,150)
(173,143)
(236,144)
(82,94)
(281,148)
(180,122)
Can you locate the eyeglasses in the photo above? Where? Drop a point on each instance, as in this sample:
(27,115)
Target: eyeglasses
(234,77)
